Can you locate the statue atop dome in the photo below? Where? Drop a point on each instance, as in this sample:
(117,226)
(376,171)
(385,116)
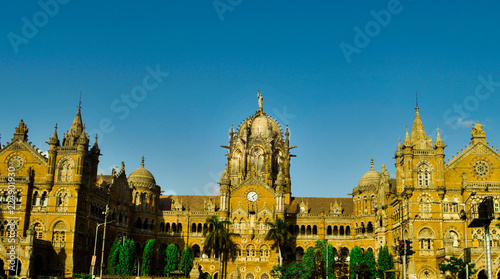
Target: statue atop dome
(261,100)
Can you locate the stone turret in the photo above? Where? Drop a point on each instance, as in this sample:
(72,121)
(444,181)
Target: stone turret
(21,132)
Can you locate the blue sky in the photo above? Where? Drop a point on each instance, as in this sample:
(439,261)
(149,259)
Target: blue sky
(343,105)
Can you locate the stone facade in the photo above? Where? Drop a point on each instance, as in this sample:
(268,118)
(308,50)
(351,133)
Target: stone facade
(57,200)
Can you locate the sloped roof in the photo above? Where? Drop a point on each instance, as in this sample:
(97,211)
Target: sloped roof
(316,205)
(191,202)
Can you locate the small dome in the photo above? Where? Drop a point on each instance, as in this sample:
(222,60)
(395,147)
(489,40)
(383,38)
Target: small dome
(142,175)
(371,178)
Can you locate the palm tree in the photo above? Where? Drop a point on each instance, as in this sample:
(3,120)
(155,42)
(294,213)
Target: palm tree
(217,238)
(278,233)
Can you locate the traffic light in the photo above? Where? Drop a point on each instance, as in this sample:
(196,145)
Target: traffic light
(409,249)
(401,247)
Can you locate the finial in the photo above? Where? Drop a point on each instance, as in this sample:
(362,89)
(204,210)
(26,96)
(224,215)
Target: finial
(80,102)
(142,163)
(372,164)
(438,128)
(96,137)
(416,96)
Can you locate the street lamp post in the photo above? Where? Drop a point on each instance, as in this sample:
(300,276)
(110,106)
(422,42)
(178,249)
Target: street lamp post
(104,236)
(463,216)
(95,249)
(95,245)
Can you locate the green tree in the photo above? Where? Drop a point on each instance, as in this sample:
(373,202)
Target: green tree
(186,262)
(171,259)
(385,262)
(127,258)
(114,257)
(148,258)
(329,265)
(371,266)
(217,239)
(308,262)
(290,271)
(278,233)
(355,263)
(456,267)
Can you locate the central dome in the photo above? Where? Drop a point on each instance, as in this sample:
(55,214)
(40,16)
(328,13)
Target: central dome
(261,125)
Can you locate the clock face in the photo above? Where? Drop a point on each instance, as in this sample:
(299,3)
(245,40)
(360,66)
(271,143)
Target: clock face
(16,162)
(252,196)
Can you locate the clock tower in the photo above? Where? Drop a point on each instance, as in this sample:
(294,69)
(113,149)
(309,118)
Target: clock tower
(255,185)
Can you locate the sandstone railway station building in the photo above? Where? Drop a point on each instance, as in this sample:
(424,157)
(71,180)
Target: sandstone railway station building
(60,198)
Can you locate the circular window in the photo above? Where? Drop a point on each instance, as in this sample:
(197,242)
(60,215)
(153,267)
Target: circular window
(481,168)
(16,162)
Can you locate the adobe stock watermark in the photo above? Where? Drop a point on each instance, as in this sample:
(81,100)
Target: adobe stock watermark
(127,102)
(283,116)
(212,188)
(457,116)
(12,224)
(30,28)
(362,38)
(223,6)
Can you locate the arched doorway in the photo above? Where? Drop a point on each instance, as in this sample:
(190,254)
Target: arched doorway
(482,274)
(299,254)
(39,263)
(17,269)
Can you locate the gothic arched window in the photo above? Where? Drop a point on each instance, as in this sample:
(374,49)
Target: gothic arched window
(424,176)
(65,171)
(426,237)
(425,205)
(62,200)
(59,234)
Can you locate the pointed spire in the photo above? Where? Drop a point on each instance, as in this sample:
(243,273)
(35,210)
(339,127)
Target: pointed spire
(399,150)
(54,140)
(142,162)
(77,126)
(95,147)
(287,135)
(407,141)
(439,142)
(83,139)
(231,133)
(417,131)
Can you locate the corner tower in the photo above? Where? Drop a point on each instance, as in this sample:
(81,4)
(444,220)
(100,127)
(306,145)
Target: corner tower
(257,172)
(419,160)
